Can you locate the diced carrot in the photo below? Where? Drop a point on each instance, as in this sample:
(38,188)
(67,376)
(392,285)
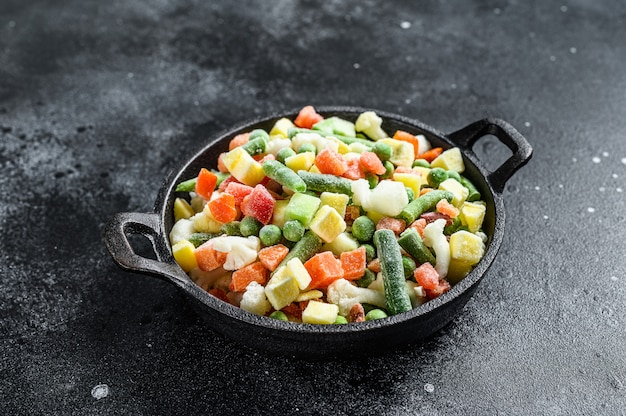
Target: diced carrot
(205,184)
(374,265)
(426,276)
(353,263)
(354,170)
(447,208)
(370,162)
(224,184)
(271,256)
(431,154)
(394,224)
(223,208)
(442,287)
(307,117)
(254,272)
(324,269)
(238,140)
(219,293)
(424,191)
(409,138)
(294,310)
(238,190)
(330,162)
(220,163)
(419,226)
(208,258)
(406,169)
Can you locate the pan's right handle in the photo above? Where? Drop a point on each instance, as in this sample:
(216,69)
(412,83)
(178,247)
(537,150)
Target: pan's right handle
(148,225)
(466,137)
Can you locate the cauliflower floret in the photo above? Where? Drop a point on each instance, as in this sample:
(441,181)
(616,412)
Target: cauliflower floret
(370,123)
(274,145)
(181,230)
(241,250)
(254,300)
(345,295)
(434,237)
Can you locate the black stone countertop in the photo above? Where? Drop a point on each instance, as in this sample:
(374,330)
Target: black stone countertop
(99,101)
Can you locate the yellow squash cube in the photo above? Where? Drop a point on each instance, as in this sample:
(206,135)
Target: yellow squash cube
(278,217)
(412,181)
(337,201)
(459,191)
(243,167)
(296,269)
(343,242)
(282,289)
(309,294)
(402,153)
(301,161)
(457,270)
(320,313)
(466,247)
(183,252)
(281,127)
(182,209)
(450,159)
(327,224)
(472,215)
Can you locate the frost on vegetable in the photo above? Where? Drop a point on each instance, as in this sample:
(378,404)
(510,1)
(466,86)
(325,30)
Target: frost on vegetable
(289,220)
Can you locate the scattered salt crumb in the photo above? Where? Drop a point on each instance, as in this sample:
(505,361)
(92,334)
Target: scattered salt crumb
(563,8)
(602,189)
(595,159)
(553,58)
(545,217)
(407,101)
(100,391)
(527,124)
(572,50)
(614,278)
(574,159)
(12,24)
(591,209)
(497,11)
(429,387)
(537,188)
(405,25)
(453,86)
(605,154)
(130,75)
(618,189)
(356,65)
(614,176)
(561,185)
(196,103)
(624,160)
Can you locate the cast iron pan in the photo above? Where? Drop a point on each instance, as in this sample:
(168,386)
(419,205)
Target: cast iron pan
(324,341)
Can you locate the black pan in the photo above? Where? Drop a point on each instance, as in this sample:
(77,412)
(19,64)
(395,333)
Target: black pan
(324,341)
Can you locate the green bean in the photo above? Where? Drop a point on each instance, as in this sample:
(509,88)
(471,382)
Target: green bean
(304,249)
(197,239)
(474,194)
(394,283)
(367,279)
(258,133)
(284,153)
(283,175)
(255,146)
(187,186)
(424,203)
(412,243)
(321,182)
(307,147)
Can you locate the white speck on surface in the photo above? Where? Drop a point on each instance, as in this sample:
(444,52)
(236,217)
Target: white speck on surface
(591,209)
(12,24)
(545,217)
(624,160)
(537,188)
(356,65)
(602,189)
(614,176)
(618,189)
(497,11)
(527,124)
(553,58)
(563,8)
(572,50)
(596,159)
(453,86)
(429,387)
(130,75)
(561,185)
(605,154)
(574,159)
(614,278)
(100,391)
(405,25)
(407,101)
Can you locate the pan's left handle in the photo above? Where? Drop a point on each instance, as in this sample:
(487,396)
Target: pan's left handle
(148,225)
(508,135)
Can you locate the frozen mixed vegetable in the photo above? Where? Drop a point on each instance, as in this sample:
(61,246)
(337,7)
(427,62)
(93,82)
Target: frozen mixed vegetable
(328,221)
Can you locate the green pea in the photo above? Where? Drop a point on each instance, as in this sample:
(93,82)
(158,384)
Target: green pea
(410,193)
(389,169)
(454,175)
(372,179)
(370,252)
(436,176)
(408,264)
(382,150)
(363,228)
(279,315)
(270,235)
(293,230)
(250,226)
(259,133)
(307,147)
(231,228)
(375,314)
(422,163)
(341,320)
(367,279)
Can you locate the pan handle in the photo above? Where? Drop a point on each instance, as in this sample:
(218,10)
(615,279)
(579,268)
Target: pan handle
(148,225)
(466,137)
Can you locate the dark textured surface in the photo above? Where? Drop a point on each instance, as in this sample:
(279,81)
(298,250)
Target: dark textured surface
(100,100)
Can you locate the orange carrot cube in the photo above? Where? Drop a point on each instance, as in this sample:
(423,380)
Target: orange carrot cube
(353,263)
(254,272)
(223,208)
(394,224)
(208,258)
(271,256)
(330,162)
(324,269)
